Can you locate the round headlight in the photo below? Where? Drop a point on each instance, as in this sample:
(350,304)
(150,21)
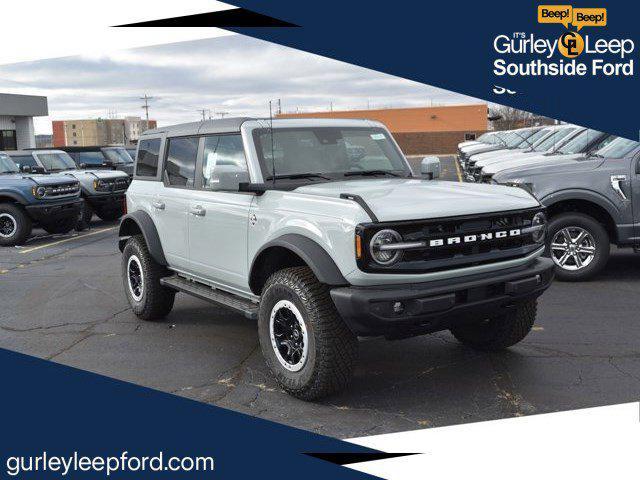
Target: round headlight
(539,223)
(379,240)
(39,192)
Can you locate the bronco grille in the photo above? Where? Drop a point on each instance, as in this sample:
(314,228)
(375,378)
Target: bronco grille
(455,242)
(53,191)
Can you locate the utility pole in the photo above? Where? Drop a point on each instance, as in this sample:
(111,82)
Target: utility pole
(279,107)
(203,111)
(146,99)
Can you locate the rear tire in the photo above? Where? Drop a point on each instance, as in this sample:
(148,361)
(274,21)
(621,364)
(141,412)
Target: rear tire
(500,332)
(320,358)
(141,276)
(596,239)
(15,225)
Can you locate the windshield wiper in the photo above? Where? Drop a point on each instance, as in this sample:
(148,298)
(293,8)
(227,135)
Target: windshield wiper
(294,176)
(365,173)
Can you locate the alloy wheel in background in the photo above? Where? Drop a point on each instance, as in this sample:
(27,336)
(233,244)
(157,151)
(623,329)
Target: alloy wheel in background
(573,248)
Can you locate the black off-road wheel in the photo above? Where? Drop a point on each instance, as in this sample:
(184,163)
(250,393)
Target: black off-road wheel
(307,346)
(86,214)
(578,245)
(141,276)
(500,332)
(61,227)
(15,225)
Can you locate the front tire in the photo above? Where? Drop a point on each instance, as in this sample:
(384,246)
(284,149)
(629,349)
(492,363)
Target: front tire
(15,225)
(578,245)
(306,345)
(86,214)
(141,276)
(500,332)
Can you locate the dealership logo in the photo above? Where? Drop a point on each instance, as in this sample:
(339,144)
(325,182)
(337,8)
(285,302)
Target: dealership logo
(571,44)
(572,54)
(474,238)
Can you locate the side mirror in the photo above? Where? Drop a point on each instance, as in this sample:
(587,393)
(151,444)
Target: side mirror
(83,165)
(257,188)
(38,169)
(26,169)
(430,168)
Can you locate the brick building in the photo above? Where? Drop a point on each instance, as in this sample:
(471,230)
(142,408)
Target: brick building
(99,131)
(423,130)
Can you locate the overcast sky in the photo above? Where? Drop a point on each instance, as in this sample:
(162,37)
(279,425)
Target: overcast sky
(233,74)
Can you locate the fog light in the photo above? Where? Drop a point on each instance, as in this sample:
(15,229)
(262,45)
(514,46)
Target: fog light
(398,307)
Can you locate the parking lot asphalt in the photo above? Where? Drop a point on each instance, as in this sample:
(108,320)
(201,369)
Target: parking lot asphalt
(62,299)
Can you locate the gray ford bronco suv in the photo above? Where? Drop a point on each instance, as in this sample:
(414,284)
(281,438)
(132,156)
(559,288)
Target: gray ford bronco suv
(318,229)
(592,201)
(26,199)
(102,190)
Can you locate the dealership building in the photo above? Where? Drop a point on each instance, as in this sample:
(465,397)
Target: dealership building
(423,130)
(16,120)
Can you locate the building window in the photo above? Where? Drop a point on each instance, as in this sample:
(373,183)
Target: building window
(74,134)
(469,136)
(8,140)
(73,126)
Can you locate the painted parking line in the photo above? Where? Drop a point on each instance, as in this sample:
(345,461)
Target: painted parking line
(64,240)
(458,172)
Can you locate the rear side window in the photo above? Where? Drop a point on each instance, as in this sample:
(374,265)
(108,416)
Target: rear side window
(148,152)
(180,166)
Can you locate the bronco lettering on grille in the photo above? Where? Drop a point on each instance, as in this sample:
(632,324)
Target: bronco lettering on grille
(474,238)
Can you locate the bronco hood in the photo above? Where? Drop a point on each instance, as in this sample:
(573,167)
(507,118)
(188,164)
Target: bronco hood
(47,179)
(413,199)
(97,174)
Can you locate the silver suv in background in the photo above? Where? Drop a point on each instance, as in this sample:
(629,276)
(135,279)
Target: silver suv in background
(318,229)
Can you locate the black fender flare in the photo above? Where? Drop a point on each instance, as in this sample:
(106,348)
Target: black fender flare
(578,194)
(315,256)
(145,224)
(13,196)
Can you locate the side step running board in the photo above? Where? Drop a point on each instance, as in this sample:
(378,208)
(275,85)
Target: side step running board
(228,300)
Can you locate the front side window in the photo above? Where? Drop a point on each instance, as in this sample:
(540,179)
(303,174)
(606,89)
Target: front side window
(180,165)
(224,165)
(56,161)
(328,151)
(148,153)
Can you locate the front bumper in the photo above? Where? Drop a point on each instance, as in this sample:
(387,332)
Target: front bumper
(106,201)
(440,305)
(48,213)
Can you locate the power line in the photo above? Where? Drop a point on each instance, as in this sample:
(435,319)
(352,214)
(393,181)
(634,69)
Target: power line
(203,112)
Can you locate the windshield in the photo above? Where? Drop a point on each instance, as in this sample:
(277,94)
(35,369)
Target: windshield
(579,143)
(524,136)
(7,165)
(534,138)
(56,161)
(329,151)
(117,155)
(618,148)
(552,140)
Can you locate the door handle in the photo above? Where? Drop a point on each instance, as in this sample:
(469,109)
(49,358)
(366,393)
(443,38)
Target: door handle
(198,211)
(158,205)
